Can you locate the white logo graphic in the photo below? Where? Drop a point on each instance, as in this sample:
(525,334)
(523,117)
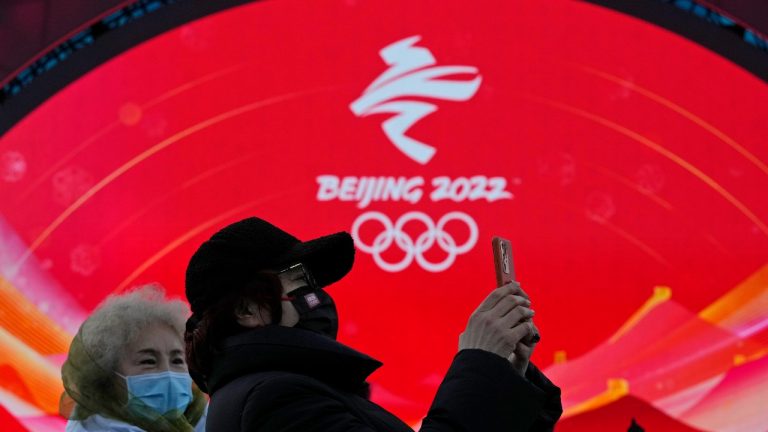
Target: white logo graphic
(433,234)
(409,76)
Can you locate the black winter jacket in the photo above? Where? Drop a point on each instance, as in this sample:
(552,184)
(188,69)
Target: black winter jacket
(280,379)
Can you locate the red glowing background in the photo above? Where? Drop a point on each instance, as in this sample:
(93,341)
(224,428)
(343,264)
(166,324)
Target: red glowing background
(633,160)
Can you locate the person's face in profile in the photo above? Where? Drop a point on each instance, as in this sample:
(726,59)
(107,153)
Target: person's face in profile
(290,279)
(158,349)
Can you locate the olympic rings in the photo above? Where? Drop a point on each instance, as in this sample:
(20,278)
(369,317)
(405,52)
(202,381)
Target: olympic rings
(414,250)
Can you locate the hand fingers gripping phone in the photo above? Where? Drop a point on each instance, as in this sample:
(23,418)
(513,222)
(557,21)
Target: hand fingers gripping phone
(505,269)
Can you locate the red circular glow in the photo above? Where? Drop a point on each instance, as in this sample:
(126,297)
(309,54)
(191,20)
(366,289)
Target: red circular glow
(615,155)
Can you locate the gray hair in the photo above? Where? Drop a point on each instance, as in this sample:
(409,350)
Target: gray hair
(120,319)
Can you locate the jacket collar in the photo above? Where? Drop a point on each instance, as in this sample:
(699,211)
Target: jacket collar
(278,348)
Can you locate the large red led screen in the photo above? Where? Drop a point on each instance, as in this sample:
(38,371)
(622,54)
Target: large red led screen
(628,166)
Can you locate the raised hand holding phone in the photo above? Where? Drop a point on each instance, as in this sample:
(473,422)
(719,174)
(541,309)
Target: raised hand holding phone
(501,325)
(505,268)
(505,275)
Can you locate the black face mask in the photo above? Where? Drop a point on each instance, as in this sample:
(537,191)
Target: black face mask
(317,311)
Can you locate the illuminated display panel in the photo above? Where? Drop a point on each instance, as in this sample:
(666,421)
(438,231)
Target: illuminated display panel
(626,164)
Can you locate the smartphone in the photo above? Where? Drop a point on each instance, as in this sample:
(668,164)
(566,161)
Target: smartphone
(505,269)
(502,260)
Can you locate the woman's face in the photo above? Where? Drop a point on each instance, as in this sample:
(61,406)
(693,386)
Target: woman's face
(291,280)
(158,349)
(258,317)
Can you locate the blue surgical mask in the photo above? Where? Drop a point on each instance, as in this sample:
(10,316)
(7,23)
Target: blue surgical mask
(161,391)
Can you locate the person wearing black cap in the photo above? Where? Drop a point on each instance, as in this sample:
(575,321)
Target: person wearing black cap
(261,342)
